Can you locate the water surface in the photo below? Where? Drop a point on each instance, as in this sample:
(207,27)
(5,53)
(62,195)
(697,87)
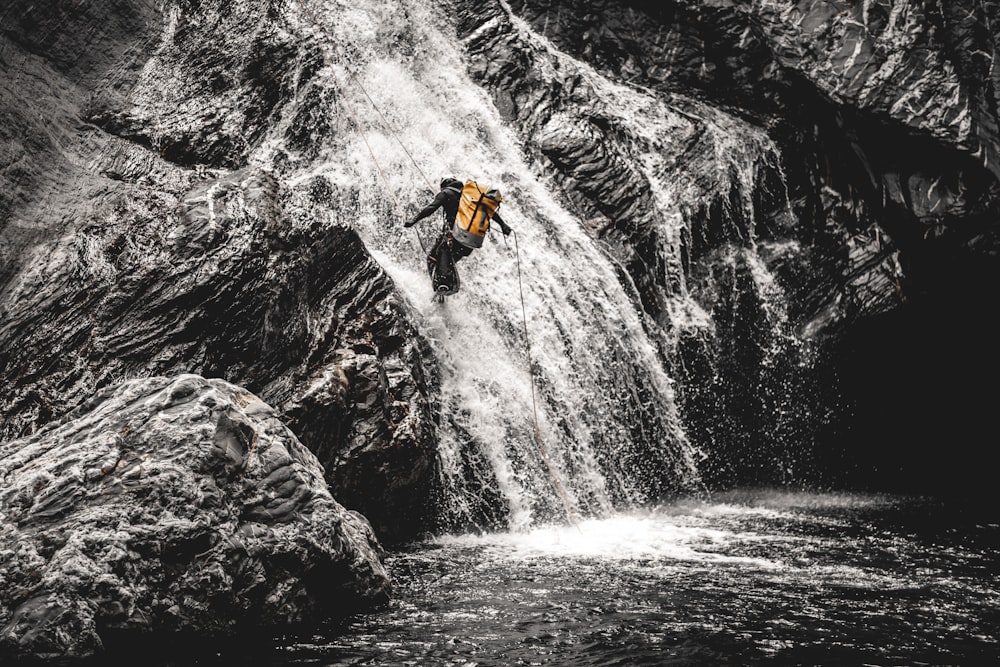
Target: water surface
(758,577)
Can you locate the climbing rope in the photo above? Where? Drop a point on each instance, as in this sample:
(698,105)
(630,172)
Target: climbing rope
(311,16)
(388,126)
(378,166)
(534,400)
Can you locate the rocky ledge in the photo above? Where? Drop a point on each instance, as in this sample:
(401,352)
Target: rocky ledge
(169,507)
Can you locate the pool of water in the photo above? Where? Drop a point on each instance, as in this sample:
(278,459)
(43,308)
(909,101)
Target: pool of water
(747,578)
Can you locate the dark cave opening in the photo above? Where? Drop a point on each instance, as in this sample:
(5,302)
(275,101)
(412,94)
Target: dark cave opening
(922,380)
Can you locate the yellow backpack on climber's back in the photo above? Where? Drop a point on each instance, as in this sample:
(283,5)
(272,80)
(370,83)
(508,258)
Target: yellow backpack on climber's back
(476,207)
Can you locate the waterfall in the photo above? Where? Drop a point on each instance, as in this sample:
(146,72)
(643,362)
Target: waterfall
(394,86)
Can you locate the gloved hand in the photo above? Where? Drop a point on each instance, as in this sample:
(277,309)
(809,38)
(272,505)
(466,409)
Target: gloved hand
(409,223)
(505,229)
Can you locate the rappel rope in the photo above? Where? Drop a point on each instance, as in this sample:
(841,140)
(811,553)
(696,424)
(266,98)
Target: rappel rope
(385,122)
(527,344)
(378,167)
(534,401)
(350,109)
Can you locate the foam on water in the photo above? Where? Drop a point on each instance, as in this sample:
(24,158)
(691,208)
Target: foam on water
(690,531)
(647,537)
(756,577)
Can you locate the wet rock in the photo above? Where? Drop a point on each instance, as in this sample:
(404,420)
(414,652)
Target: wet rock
(135,239)
(885,114)
(231,277)
(171,506)
(203,100)
(837,158)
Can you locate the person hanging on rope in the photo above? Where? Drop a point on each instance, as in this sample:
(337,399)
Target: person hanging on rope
(468,210)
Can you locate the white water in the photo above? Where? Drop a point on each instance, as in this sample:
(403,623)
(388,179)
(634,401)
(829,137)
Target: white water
(693,533)
(749,578)
(629,537)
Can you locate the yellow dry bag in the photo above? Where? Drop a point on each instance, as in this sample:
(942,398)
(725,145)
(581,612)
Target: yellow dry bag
(476,207)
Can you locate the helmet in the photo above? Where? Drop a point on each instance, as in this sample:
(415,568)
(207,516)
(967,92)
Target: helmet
(450,181)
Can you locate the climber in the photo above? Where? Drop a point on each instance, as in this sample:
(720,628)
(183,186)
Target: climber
(468,210)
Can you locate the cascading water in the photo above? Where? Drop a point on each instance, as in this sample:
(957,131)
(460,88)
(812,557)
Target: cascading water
(688,198)
(605,406)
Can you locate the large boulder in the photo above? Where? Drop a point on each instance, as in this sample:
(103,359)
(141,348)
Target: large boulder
(171,506)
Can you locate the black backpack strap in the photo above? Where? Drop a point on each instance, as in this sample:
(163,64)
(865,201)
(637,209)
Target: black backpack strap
(479,203)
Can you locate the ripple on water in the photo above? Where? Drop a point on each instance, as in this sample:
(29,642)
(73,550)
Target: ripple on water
(762,577)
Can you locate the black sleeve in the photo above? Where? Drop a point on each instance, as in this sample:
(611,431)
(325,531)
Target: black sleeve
(430,208)
(496,216)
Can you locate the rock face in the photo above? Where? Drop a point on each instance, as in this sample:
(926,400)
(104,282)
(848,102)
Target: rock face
(225,280)
(171,505)
(846,150)
(142,242)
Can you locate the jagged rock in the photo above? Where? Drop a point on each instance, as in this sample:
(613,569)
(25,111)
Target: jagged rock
(230,278)
(171,505)
(204,100)
(871,198)
(142,244)
(882,111)
(54,57)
